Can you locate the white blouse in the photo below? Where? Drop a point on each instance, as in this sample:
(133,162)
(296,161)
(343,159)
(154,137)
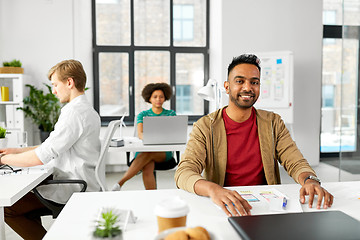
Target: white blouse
(72,149)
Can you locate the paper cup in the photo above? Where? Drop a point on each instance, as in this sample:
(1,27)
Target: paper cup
(171,212)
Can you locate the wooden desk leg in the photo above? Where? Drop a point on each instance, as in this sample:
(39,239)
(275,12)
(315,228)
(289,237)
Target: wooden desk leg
(2,224)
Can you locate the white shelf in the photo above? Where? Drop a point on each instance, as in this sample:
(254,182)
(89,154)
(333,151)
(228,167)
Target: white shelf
(9,103)
(10,75)
(15,119)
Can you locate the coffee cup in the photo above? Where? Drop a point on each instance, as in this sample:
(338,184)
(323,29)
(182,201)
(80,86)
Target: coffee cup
(171,213)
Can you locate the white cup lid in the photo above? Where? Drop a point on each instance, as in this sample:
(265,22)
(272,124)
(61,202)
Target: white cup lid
(172,208)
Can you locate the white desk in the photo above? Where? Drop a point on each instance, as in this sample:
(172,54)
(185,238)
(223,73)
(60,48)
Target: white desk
(133,144)
(79,213)
(14,187)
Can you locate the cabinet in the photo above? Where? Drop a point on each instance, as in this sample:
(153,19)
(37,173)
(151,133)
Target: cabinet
(13,119)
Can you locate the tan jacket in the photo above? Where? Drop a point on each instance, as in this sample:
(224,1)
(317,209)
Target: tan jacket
(206,151)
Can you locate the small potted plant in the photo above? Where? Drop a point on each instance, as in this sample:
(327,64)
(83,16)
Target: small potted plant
(3,139)
(107,227)
(12,67)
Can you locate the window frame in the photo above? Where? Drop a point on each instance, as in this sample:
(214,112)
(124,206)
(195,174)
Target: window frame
(337,32)
(131,49)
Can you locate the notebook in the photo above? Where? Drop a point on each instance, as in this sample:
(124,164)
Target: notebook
(309,225)
(165,130)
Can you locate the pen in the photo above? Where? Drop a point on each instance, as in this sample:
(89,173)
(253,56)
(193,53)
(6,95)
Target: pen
(284,203)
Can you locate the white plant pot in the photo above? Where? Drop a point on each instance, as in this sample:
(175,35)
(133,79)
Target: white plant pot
(119,237)
(3,142)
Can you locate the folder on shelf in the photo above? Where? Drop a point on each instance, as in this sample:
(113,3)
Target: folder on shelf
(18,117)
(10,123)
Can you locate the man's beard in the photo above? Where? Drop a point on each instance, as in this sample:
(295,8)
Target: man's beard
(240,104)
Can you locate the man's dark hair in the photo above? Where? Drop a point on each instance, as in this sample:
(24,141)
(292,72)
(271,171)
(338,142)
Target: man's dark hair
(150,88)
(244,58)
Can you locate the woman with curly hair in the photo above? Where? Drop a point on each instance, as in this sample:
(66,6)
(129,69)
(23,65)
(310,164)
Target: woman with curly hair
(156,94)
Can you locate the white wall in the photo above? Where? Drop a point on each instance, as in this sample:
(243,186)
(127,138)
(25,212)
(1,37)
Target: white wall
(42,33)
(277,25)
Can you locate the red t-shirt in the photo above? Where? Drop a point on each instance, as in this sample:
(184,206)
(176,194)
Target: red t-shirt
(244,165)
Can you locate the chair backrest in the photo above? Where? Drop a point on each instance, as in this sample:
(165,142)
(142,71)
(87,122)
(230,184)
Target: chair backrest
(135,126)
(100,166)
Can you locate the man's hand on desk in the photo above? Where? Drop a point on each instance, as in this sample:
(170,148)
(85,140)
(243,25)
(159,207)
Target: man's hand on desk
(10,150)
(313,188)
(230,201)
(16,150)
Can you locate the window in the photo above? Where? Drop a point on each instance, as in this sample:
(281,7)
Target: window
(137,42)
(329,17)
(340,78)
(183,22)
(183,98)
(328,96)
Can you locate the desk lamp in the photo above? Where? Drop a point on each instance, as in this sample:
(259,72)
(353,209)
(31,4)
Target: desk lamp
(210,92)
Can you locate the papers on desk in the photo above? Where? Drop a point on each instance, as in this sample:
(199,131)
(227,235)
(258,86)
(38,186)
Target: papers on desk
(20,171)
(266,201)
(35,169)
(14,171)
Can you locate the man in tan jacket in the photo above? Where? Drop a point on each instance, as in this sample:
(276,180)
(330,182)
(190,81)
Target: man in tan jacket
(239,145)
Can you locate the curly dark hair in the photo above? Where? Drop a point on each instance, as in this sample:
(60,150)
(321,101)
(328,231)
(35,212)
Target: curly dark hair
(151,87)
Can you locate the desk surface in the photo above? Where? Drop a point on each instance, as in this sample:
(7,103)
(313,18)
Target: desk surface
(14,187)
(134,144)
(79,213)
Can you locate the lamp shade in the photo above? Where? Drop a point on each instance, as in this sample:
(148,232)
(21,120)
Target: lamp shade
(208,91)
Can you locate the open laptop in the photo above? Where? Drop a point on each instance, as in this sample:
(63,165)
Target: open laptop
(165,130)
(309,225)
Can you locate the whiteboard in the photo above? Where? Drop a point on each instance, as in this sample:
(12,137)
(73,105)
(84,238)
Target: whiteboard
(276,84)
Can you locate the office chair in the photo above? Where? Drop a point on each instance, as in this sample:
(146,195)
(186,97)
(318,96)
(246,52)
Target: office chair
(100,166)
(53,208)
(168,165)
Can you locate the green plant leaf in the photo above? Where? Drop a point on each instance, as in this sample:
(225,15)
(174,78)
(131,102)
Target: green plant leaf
(13,63)
(2,132)
(42,108)
(106,226)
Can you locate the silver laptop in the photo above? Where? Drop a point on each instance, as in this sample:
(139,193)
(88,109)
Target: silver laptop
(165,130)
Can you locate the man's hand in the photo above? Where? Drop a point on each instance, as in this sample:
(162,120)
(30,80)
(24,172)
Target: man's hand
(313,188)
(230,201)
(10,150)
